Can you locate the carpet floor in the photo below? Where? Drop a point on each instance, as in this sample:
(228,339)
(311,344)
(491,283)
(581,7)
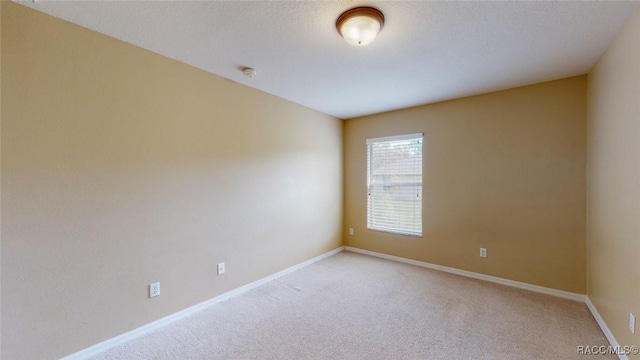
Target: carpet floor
(353,306)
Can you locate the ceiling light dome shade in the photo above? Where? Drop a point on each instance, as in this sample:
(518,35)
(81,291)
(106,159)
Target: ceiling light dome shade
(359,26)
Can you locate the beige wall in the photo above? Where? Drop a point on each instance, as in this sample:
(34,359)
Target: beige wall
(613,193)
(121,168)
(505,171)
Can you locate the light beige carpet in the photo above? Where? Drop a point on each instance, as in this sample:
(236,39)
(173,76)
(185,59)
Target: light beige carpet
(352,306)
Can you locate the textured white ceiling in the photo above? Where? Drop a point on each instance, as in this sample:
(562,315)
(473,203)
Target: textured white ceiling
(426,52)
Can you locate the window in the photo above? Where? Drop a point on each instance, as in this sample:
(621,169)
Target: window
(394,184)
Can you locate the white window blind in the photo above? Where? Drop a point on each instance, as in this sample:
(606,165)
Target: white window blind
(394,184)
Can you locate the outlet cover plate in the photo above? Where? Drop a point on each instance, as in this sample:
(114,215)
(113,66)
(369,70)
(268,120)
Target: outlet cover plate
(221,269)
(154,290)
(483,252)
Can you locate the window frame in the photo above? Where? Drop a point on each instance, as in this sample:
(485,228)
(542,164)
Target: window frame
(370,222)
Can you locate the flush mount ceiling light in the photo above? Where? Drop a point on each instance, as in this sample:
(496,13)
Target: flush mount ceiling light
(359,26)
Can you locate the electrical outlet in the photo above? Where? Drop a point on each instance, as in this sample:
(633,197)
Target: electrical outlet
(632,323)
(154,290)
(350,231)
(221,269)
(483,252)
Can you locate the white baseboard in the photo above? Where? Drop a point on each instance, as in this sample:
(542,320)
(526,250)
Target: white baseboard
(474,275)
(603,326)
(143,330)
